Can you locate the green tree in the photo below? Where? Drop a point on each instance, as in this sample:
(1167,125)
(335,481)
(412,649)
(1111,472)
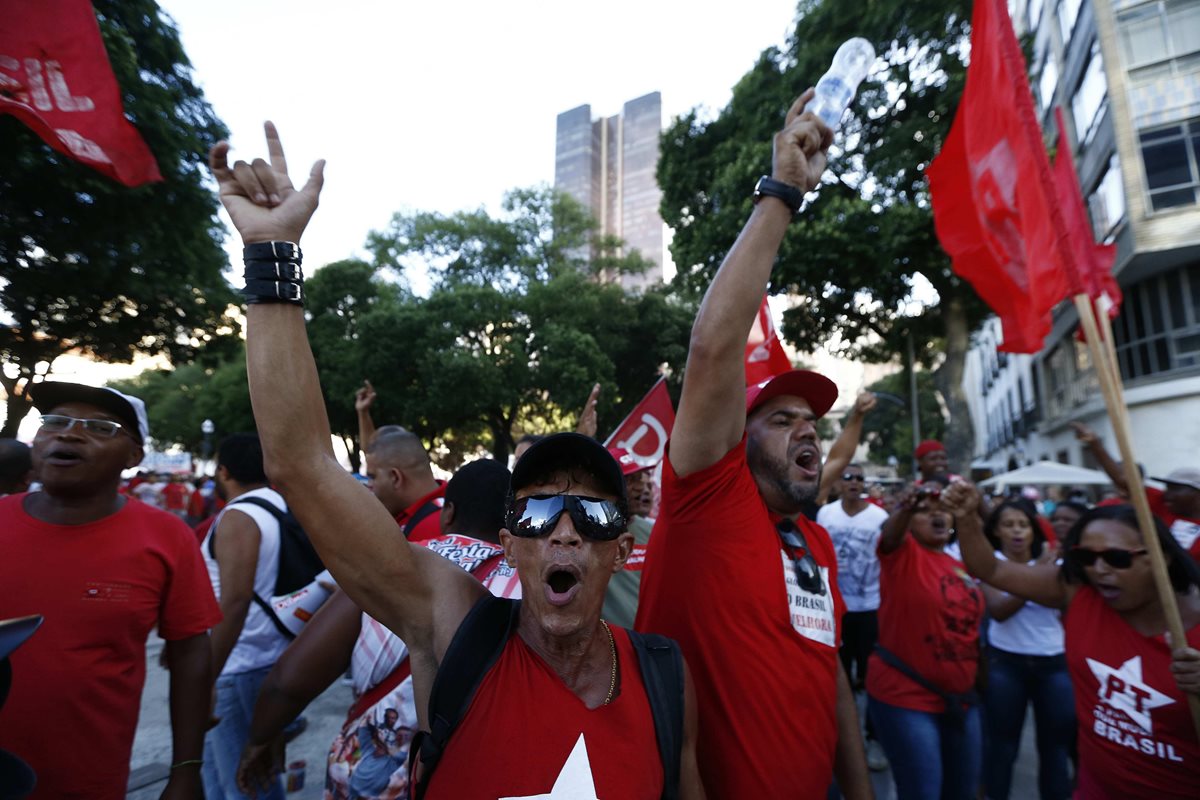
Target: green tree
(96,268)
(854,253)
(888,428)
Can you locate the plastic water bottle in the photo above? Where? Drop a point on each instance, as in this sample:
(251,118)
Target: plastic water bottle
(836,88)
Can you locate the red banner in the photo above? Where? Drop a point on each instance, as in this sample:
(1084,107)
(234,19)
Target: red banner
(993,193)
(765,357)
(55,77)
(644,433)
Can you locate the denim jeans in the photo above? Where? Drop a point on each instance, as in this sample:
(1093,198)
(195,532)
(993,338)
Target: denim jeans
(223,744)
(933,756)
(1013,682)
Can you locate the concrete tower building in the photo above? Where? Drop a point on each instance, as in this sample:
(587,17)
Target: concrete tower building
(608,165)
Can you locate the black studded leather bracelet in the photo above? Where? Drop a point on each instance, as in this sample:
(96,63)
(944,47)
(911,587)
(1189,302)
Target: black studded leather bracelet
(273,273)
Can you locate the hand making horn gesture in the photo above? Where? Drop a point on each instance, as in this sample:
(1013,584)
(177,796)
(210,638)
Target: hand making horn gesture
(260,197)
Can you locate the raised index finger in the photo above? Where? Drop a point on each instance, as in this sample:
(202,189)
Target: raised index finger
(275,149)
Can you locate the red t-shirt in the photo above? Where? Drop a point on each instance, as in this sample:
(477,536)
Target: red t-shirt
(175,496)
(77,682)
(929,618)
(527,735)
(1136,736)
(762,651)
(430,526)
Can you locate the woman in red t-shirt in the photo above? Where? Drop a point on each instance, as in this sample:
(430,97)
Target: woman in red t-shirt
(1136,736)
(920,680)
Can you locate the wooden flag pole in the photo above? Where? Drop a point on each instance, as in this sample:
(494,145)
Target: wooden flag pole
(1104,359)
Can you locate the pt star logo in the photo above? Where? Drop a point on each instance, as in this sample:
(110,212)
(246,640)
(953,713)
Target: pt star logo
(574,781)
(1124,690)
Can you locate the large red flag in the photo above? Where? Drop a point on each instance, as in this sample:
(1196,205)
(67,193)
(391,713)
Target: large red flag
(644,433)
(992,189)
(1092,274)
(765,357)
(55,77)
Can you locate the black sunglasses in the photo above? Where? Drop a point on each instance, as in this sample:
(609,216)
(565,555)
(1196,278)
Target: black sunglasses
(536,515)
(808,573)
(1115,557)
(850,476)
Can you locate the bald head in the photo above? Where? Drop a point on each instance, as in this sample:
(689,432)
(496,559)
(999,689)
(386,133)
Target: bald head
(398,468)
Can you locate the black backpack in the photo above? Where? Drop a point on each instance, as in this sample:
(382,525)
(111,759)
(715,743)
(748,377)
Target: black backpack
(473,651)
(299,563)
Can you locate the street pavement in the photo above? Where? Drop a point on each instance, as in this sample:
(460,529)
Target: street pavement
(152,747)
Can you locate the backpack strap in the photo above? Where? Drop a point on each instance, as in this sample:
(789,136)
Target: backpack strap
(661,664)
(474,650)
(415,520)
(275,512)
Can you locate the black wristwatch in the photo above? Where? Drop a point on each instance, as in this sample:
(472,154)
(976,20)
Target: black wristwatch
(769,187)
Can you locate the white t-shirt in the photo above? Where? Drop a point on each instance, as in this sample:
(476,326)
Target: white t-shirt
(1033,631)
(855,539)
(260,642)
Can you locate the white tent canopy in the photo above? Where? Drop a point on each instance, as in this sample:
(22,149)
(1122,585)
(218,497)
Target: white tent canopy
(1049,473)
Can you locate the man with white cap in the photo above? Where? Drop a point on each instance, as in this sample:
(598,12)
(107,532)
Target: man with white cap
(104,570)
(735,572)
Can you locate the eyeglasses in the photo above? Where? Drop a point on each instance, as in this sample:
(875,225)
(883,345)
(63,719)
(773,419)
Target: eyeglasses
(850,476)
(593,517)
(1115,557)
(808,573)
(105,428)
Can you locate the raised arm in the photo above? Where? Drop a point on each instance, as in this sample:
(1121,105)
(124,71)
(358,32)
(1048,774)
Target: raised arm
(352,532)
(711,416)
(364,398)
(842,451)
(1040,583)
(895,527)
(1107,463)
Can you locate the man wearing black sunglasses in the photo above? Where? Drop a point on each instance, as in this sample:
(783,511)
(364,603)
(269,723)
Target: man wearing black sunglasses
(564,705)
(103,570)
(734,571)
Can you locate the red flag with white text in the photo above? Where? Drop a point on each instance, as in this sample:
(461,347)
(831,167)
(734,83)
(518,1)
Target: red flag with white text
(993,193)
(56,78)
(644,433)
(765,357)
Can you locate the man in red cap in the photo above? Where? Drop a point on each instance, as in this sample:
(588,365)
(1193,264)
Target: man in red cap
(735,572)
(931,459)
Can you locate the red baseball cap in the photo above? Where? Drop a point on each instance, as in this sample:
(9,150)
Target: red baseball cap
(926,447)
(820,392)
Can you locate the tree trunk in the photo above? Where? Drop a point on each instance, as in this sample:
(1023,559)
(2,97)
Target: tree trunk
(959,438)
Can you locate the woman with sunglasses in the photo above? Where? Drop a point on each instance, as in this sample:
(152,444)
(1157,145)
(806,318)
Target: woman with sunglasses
(1136,735)
(1025,662)
(921,677)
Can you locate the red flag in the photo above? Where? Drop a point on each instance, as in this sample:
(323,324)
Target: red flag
(644,433)
(1093,262)
(55,77)
(764,352)
(992,189)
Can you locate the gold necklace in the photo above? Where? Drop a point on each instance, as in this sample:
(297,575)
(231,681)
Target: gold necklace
(612,680)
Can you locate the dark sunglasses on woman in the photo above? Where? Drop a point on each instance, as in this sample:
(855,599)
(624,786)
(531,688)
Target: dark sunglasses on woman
(1115,557)
(537,514)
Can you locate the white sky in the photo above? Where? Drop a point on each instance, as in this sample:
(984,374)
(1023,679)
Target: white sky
(445,106)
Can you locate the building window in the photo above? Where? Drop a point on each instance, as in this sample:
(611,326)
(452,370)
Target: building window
(1158,329)
(1107,201)
(1160,38)
(1171,155)
(1089,97)
(1047,81)
(1068,12)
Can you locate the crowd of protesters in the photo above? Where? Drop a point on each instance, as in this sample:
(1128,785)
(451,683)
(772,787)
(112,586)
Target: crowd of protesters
(570,628)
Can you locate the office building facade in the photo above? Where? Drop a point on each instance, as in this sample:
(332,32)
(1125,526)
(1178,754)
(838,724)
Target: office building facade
(1127,75)
(609,165)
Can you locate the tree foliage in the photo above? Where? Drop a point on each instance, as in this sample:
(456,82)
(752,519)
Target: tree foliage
(93,267)
(888,429)
(853,253)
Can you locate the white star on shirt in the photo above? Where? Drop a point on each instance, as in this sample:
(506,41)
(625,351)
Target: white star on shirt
(574,781)
(1123,689)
